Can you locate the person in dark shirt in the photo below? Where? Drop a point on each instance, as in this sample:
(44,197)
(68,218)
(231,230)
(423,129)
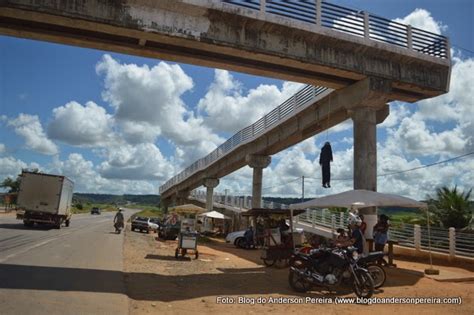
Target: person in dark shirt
(325,159)
(358,239)
(380,233)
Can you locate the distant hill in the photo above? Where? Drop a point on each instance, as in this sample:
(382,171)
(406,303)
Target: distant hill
(117,199)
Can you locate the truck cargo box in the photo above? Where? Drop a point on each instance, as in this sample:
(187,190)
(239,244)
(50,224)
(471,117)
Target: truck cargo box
(45,193)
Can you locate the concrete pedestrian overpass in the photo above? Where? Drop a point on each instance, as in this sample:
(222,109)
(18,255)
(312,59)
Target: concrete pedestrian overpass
(354,62)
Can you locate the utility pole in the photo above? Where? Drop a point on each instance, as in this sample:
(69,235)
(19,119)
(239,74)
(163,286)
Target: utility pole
(302,188)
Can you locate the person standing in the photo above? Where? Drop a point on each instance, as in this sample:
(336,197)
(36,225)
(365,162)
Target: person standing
(325,159)
(381,233)
(363,225)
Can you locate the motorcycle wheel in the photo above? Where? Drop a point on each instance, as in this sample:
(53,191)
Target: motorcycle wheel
(281,263)
(268,262)
(378,275)
(364,285)
(297,282)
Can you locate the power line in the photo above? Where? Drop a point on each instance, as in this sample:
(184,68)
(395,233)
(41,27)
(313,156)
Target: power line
(279,185)
(462,48)
(427,165)
(380,175)
(406,171)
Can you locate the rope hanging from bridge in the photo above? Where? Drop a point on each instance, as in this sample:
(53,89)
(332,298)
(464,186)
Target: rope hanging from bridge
(329,113)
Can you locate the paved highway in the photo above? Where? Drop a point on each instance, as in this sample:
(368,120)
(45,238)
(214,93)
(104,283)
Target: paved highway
(74,270)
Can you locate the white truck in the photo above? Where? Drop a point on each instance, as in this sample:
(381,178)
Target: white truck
(44,199)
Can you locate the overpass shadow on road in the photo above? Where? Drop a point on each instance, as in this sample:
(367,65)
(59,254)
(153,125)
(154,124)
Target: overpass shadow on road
(158,287)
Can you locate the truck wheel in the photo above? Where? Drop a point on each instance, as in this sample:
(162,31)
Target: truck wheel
(28,223)
(67,222)
(58,224)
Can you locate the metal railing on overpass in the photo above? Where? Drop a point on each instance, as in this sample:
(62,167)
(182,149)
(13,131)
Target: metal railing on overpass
(328,15)
(353,22)
(305,97)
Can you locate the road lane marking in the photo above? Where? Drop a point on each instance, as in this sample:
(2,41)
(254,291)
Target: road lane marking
(77,229)
(31,247)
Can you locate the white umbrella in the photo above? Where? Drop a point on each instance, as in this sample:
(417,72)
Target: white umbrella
(359,198)
(214,215)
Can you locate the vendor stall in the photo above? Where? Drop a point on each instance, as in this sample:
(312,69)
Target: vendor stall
(212,222)
(278,238)
(188,236)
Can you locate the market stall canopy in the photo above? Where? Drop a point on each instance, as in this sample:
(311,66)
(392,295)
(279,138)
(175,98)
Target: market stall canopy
(214,215)
(266,212)
(188,208)
(360,198)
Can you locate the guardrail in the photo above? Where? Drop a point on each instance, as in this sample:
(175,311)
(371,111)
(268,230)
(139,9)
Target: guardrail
(302,99)
(353,22)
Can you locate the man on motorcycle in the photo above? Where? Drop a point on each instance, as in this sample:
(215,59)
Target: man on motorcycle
(119,220)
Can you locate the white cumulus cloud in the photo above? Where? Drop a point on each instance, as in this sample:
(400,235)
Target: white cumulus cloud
(86,178)
(78,125)
(148,103)
(139,162)
(422,19)
(29,127)
(228,109)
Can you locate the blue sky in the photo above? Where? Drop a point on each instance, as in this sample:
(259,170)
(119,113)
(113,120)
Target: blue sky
(47,89)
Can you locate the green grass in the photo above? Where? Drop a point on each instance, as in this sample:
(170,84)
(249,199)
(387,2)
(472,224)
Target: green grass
(151,212)
(145,207)
(407,217)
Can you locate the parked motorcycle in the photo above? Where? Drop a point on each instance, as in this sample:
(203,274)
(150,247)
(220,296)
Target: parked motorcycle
(330,268)
(118,227)
(371,263)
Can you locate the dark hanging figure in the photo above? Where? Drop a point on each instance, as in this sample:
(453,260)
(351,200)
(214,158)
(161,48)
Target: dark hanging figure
(325,159)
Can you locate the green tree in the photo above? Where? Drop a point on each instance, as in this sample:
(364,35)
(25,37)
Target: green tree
(12,185)
(451,207)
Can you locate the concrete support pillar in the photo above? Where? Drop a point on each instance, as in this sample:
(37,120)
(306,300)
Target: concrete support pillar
(258,163)
(164,204)
(210,184)
(365,159)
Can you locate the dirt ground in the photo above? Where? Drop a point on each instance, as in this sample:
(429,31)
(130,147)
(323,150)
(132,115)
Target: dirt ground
(229,280)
